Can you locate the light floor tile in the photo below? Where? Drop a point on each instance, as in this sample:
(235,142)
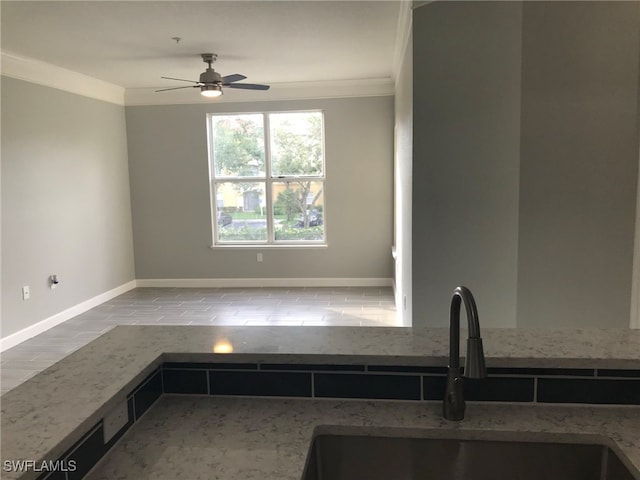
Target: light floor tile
(304,306)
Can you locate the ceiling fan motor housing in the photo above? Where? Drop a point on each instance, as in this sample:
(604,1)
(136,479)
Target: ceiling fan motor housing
(210,76)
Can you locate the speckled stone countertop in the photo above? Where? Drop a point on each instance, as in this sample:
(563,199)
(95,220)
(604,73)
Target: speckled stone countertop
(198,438)
(42,417)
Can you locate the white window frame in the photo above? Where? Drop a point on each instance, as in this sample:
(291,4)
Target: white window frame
(268,180)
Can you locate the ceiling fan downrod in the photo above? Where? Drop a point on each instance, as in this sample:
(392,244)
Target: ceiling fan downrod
(209,58)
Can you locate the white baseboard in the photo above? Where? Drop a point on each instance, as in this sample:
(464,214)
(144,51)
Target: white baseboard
(33,330)
(264,282)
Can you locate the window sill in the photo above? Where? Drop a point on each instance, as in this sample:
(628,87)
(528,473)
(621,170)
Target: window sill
(254,246)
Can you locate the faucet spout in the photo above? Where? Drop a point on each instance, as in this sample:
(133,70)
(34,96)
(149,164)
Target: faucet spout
(454,404)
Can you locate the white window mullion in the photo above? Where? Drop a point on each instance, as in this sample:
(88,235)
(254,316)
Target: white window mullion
(239,180)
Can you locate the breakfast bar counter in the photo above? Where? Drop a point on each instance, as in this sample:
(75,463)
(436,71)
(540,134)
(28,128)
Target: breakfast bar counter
(44,417)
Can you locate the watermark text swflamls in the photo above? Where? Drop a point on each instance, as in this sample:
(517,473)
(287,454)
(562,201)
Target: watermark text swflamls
(39,466)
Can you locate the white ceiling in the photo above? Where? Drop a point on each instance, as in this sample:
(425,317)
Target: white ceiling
(129,43)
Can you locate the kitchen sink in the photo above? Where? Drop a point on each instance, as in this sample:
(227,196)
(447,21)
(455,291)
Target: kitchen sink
(355,457)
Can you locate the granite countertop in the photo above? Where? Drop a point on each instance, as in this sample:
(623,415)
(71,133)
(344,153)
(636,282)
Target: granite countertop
(42,417)
(198,438)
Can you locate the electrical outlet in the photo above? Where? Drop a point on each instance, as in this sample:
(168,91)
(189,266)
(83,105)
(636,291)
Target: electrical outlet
(259,257)
(26,292)
(113,421)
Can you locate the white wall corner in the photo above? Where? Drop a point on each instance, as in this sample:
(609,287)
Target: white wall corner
(263,282)
(403,30)
(634,321)
(48,75)
(44,325)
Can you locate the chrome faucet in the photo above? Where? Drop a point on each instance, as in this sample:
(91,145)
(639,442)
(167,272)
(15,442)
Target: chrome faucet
(454,406)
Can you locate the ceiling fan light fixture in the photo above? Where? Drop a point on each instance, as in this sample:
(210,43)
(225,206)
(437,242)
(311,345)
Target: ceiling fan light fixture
(211,91)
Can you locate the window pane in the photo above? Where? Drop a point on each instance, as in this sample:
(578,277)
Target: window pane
(296,144)
(241,212)
(238,145)
(298,210)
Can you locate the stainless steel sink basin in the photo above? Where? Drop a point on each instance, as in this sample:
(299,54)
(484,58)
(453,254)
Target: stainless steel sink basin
(360,457)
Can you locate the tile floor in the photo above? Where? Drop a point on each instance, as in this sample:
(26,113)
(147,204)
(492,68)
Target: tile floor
(348,306)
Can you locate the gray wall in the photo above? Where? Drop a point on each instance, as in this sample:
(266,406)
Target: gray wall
(579,162)
(466,64)
(525,160)
(65,201)
(168,164)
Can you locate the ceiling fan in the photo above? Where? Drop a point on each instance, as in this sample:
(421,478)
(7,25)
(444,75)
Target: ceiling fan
(211,82)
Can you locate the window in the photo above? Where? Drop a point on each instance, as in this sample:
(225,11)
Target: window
(267,178)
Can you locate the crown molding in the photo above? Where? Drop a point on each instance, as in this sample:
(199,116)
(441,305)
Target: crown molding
(368,87)
(48,75)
